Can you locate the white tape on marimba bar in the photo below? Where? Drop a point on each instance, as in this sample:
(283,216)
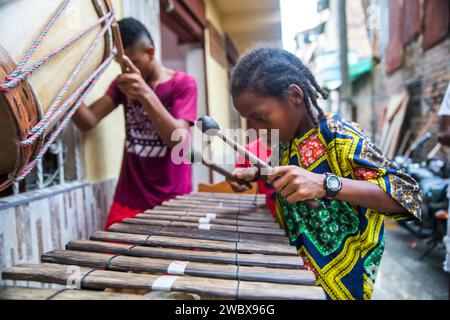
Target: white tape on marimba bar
(204,226)
(177,267)
(211,216)
(203,221)
(164,283)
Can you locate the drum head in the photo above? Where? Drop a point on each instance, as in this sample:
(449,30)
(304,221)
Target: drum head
(22,107)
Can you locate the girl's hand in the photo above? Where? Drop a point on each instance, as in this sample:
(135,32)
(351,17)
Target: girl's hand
(296,184)
(246,174)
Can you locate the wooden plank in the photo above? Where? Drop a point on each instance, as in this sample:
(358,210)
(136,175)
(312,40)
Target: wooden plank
(234,216)
(244,206)
(182,216)
(161,266)
(22,293)
(198,234)
(260,213)
(102,279)
(225,195)
(388,129)
(258,202)
(396,126)
(242,259)
(244,216)
(212,226)
(174,242)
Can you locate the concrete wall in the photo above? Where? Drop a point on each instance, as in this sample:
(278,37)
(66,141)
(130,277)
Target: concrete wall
(218,84)
(47,219)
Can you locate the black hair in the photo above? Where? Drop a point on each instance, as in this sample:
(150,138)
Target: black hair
(269,71)
(132,31)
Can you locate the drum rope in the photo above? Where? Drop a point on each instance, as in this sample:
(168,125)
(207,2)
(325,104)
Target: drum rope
(87,87)
(15,78)
(39,39)
(74,101)
(53,113)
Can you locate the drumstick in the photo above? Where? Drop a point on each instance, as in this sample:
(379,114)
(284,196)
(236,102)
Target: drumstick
(117,38)
(211,128)
(218,169)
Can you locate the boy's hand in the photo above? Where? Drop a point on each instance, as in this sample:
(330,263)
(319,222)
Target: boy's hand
(296,184)
(132,84)
(246,174)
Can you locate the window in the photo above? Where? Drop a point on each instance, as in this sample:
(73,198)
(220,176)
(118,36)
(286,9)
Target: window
(61,164)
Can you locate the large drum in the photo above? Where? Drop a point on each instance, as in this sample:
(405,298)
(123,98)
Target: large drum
(76,26)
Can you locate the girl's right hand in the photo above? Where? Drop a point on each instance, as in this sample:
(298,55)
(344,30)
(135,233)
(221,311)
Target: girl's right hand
(246,174)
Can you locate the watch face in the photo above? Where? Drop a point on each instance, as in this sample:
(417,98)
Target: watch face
(334,183)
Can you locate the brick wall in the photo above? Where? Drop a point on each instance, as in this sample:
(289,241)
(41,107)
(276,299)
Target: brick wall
(425,74)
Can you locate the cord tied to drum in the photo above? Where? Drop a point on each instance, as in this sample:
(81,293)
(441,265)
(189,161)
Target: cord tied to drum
(87,87)
(39,40)
(53,113)
(60,110)
(19,75)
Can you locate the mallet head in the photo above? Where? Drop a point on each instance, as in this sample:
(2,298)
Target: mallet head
(208,125)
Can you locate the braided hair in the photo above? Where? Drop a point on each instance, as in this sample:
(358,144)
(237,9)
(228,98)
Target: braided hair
(269,71)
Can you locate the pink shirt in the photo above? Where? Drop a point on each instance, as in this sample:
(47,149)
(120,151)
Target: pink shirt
(148,176)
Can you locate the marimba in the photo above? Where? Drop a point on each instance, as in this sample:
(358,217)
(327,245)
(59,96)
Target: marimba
(208,245)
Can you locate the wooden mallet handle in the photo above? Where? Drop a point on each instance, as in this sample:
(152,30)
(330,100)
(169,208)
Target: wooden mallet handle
(210,127)
(220,170)
(117,37)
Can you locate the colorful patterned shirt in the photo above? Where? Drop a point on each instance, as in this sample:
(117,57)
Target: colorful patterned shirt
(343,243)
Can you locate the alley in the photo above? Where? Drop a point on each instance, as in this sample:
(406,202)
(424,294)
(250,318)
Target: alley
(402,276)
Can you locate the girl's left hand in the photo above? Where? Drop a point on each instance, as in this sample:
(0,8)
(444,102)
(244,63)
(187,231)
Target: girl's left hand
(296,184)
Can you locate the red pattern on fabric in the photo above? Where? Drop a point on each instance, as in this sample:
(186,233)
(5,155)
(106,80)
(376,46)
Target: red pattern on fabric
(311,150)
(365,174)
(308,265)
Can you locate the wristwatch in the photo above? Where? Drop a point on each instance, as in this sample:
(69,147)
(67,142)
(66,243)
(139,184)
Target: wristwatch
(332,185)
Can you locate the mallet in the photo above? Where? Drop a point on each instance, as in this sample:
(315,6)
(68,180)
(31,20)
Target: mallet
(207,162)
(211,128)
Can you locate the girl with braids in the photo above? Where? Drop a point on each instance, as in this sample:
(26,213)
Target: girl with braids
(330,163)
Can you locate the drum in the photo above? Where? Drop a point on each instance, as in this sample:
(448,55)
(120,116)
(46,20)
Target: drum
(180,253)
(44,42)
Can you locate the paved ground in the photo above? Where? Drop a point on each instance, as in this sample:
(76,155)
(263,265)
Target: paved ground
(402,276)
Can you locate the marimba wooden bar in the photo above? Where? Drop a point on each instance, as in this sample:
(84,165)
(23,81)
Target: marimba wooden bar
(213,245)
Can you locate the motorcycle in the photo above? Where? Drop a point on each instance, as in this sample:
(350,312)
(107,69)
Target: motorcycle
(432,175)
